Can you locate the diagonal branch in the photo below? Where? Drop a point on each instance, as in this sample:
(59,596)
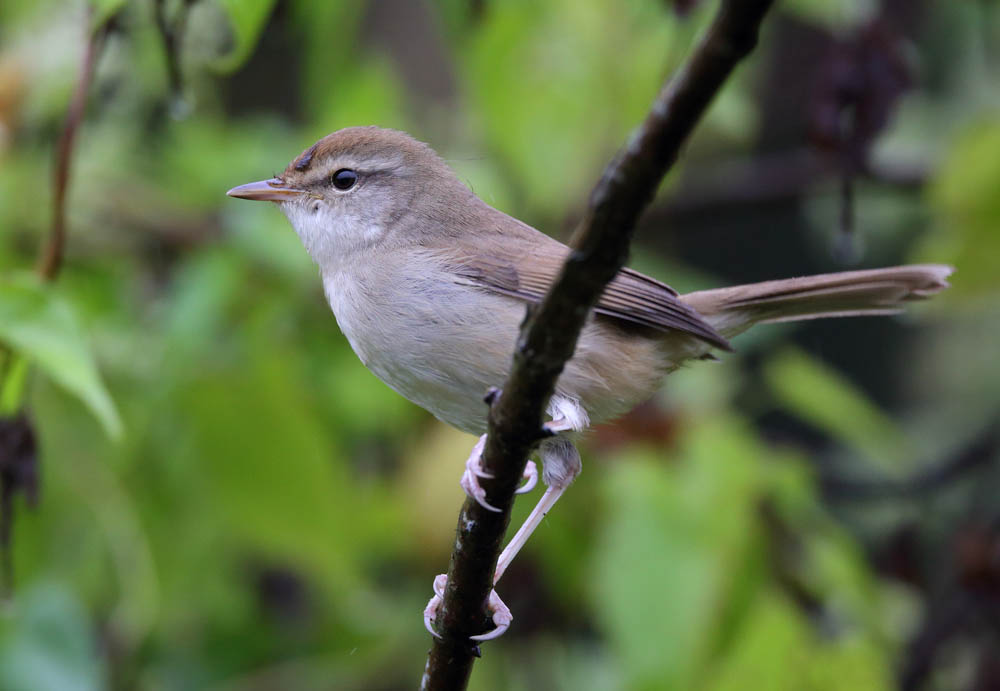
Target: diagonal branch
(549,335)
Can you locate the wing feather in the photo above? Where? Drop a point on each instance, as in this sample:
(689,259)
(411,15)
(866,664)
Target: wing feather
(631,296)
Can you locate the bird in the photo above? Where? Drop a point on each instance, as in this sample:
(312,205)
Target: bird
(430,284)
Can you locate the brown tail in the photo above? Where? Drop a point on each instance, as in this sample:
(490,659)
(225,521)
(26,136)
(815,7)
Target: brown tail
(846,294)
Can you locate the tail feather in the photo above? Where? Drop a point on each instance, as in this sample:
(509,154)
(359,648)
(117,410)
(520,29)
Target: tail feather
(847,294)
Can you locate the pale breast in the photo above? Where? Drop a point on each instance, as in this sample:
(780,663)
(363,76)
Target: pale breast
(440,344)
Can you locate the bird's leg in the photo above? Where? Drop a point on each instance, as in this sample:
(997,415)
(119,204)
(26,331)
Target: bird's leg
(561,465)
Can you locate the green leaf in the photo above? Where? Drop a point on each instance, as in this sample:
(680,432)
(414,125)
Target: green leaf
(821,396)
(779,650)
(275,475)
(691,526)
(965,201)
(246,21)
(43,327)
(15,377)
(539,75)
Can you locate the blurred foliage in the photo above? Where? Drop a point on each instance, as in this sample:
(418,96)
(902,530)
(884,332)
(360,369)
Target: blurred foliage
(966,198)
(230,501)
(37,325)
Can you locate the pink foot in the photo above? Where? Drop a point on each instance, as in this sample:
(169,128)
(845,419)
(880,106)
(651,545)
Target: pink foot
(501,615)
(474,471)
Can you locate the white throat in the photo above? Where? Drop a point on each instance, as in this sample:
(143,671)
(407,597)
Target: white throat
(332,237)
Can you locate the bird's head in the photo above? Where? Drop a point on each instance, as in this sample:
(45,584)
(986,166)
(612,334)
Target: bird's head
(360,188)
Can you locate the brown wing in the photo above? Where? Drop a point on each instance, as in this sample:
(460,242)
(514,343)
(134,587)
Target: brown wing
(631,296)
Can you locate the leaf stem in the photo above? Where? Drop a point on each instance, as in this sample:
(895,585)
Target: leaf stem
(51,259)
(13,381)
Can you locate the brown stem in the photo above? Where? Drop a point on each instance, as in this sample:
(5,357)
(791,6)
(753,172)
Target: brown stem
(50,262)
(549,335)
(171,33)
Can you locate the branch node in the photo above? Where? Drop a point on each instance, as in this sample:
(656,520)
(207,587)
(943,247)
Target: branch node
(492,395)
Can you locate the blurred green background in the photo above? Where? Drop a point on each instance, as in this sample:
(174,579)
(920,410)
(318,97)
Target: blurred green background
(225,499)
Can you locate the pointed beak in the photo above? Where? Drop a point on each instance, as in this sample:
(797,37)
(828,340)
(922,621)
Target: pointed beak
(273,190)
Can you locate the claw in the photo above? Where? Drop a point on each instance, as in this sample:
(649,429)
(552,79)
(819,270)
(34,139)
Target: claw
(554,427)
(477,470)
(472,487)
(430,613)
(501,617)
(474,464)
(440,581)
(530,478)
(501,613)
(474,471)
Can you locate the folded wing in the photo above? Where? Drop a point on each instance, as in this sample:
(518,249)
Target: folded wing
(631,297)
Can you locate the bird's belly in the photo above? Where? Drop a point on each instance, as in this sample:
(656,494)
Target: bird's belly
(430,342)
(451,396)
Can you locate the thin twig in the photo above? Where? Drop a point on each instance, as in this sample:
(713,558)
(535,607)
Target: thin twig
(549,335)
(172,32)
(50,261)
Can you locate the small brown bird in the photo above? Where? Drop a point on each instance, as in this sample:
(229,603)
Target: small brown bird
(429,284)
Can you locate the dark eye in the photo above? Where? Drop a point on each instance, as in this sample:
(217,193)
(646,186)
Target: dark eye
(344,179)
